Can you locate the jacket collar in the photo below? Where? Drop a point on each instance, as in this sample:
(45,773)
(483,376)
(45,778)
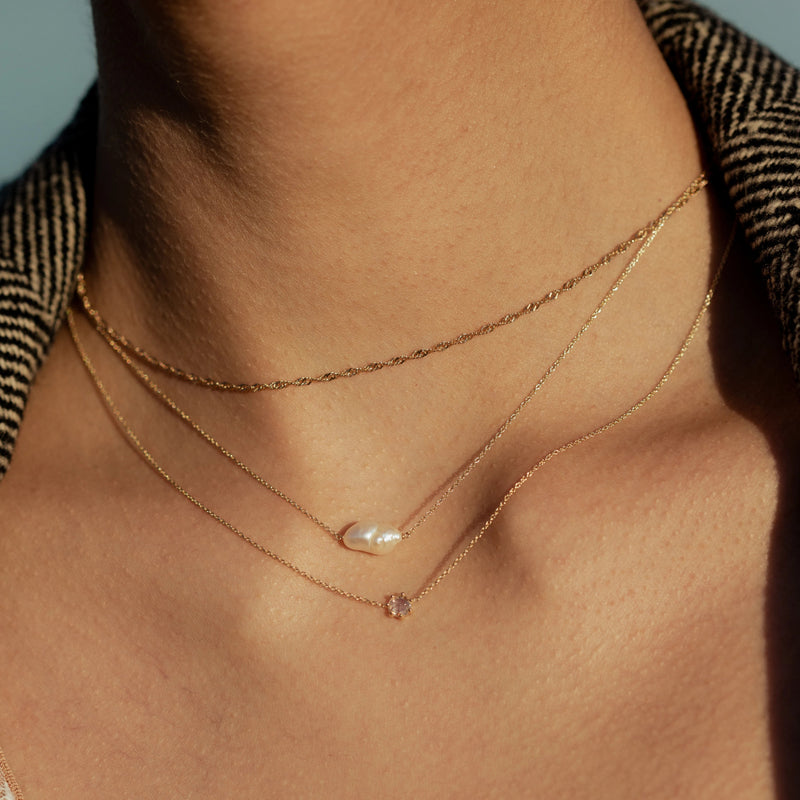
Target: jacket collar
(747,100)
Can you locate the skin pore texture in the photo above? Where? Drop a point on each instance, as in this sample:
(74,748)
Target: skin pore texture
(291,188)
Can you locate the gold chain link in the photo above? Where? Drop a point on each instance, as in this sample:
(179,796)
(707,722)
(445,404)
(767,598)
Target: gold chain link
(5,772)
(103,327)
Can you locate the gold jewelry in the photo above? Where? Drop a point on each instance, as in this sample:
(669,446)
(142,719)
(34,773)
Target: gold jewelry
(5,774)
(370,536)
(123,342)
(376,537)
(399,605)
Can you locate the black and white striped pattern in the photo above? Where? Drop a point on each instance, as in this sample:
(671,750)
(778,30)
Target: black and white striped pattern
(43,224)
(748,101)
(746,98)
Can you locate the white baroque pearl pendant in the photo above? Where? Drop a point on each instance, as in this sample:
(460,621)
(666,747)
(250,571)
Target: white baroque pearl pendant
(371,537)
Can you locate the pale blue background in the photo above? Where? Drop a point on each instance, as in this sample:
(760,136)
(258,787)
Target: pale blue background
(47,61)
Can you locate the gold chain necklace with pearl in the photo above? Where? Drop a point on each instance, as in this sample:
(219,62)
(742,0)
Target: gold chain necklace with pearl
(367,535)
(111,334)
(377,537)
(399,605)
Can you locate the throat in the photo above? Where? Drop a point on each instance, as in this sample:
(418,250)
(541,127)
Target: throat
(325,209)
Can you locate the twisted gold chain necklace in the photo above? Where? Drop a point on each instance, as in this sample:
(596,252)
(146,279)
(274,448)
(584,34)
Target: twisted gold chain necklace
(111,334)
(399,605)
(371,536)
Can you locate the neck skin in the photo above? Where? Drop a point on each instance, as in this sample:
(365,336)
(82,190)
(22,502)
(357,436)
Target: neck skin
(333,182)
(286,189)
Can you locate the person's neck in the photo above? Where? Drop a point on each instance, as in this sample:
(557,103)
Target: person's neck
(321,184)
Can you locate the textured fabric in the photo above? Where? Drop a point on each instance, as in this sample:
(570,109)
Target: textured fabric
(744,97)
(748,102)
(43,229)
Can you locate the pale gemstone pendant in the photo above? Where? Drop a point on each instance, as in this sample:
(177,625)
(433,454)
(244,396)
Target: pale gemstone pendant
(371,537)
(398,606)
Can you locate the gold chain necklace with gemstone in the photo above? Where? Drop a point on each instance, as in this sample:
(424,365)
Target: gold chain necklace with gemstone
(141,354)
(399,605)
(367,535)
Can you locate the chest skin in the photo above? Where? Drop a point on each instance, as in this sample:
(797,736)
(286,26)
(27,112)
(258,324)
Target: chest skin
(638,646)
(576,671)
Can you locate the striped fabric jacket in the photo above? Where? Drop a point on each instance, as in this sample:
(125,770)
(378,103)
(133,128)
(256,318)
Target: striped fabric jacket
(745,98)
